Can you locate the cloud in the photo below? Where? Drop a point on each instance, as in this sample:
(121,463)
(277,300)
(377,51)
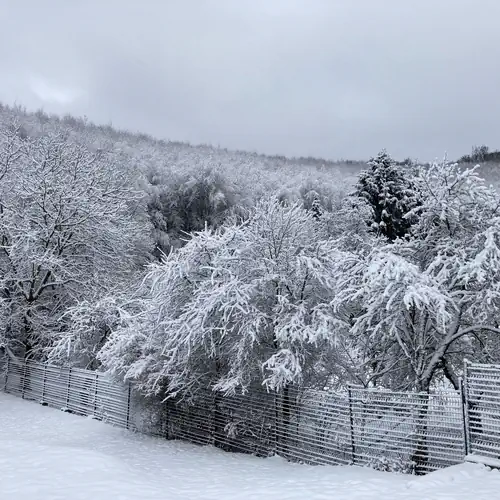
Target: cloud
(50,93)
(329,78)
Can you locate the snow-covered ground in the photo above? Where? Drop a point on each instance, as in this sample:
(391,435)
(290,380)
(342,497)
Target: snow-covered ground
(46,454)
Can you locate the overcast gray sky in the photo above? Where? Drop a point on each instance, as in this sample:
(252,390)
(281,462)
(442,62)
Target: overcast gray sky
(330,78)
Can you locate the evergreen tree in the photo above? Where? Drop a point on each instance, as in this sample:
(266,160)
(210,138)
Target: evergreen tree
(316,209)
(392,192)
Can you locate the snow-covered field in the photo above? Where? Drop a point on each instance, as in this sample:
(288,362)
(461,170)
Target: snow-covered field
(50,455)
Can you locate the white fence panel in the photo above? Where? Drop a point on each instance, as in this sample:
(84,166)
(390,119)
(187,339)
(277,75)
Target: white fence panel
(422,429)
(482,385)
(78,391)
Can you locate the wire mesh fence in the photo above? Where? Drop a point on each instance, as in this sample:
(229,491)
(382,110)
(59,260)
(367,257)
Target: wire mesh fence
(78,391)
(410,431)
(313,427)
(238,423)
(414,432)
(482,399)
(419,431)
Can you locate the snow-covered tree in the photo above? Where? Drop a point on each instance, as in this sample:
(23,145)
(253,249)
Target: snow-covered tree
(347,226)
(246,304)
(392,192)
(416,305)
(185,204)
(71,228)
(89,325)
(316,209)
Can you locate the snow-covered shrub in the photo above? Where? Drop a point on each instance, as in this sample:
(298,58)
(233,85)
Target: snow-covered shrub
(398,465)
(247,303)
(89,324)
(148,415)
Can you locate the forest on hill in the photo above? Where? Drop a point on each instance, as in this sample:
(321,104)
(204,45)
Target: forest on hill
(187,267)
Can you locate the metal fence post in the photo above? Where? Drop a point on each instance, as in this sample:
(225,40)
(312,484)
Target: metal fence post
(96,386)
(69,388)
(466,408)
(351,425)
(6,374)
(166,419)
(464,416)
(23,387)
(43,382)
(128,405)
(276,423)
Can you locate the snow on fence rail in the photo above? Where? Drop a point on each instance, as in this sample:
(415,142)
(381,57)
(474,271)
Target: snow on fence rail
(361,426)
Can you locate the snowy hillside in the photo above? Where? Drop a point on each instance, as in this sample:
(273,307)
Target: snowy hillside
(50,455)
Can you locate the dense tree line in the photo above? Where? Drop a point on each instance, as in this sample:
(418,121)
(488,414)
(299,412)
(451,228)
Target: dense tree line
(191,268)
